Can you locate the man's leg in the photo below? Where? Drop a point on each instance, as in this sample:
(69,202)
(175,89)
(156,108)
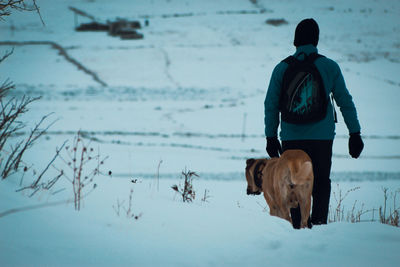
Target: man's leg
(322,184)
(320,152)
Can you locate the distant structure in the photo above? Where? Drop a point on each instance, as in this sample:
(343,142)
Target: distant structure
(92,27)
(125,29)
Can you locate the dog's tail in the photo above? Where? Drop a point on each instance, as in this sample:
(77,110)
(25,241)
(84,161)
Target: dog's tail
(304,173)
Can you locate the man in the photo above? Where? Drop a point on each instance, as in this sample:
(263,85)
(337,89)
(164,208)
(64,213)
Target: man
(315,138)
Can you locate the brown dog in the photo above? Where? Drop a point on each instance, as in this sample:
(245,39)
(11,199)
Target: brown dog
(287,183)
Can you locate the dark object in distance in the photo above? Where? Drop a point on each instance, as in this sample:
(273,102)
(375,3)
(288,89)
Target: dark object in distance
(116,27)
(276,22)
(125,29)
(93,27)
(131,36)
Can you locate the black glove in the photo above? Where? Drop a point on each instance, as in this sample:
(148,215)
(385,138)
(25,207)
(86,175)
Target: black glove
(274,148)
(356,145)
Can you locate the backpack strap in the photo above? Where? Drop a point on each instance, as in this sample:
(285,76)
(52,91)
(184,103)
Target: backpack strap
(334,109)
(290,60)
(311,57)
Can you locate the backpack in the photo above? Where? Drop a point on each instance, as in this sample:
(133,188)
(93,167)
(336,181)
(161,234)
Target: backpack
(303,97)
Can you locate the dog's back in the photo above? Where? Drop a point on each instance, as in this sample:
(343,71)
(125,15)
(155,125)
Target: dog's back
(299,165)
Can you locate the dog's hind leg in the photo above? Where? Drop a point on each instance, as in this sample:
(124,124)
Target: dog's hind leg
(305,218)
(304,195)
(305,208)
(273,208)
(295,214)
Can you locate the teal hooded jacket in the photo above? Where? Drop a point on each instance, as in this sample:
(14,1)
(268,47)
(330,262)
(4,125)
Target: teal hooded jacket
(322,130)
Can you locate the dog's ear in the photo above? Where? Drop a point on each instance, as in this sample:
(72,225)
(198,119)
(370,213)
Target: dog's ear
(250,162)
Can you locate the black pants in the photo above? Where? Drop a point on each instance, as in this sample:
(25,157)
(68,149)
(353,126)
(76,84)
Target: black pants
(320,152)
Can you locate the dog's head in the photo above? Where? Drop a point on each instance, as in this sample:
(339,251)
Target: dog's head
(254,168)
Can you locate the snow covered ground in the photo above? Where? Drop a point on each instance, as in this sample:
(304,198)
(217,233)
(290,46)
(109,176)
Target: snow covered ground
(190,94)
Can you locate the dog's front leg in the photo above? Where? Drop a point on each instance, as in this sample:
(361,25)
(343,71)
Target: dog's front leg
(273,208)
(285,213)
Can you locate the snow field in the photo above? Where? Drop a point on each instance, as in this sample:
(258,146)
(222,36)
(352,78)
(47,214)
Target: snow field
(185,94)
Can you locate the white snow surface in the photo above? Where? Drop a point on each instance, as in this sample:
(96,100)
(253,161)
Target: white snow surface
(190,95)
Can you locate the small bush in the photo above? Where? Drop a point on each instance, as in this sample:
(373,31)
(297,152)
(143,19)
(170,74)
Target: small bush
(187,192)
(120,205)
(84,165)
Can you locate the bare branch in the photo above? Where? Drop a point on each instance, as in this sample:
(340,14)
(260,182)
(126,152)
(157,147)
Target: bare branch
(9,126)
(48,165)
(38,11)
(6,55)
(35,134)
(5,87)
(6,6)
(10,163)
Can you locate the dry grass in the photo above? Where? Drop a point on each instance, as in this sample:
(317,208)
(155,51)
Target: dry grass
(388,212)
(338,214)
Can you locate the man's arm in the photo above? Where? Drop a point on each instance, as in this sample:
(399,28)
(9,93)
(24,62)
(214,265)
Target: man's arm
(345,102)
(348,109)
(271,103)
